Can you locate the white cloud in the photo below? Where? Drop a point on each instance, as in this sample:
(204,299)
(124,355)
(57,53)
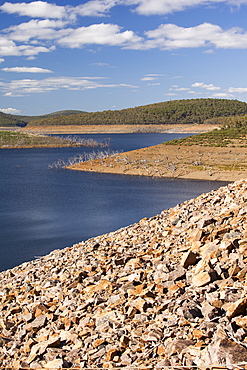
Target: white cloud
(154,75)
(101,34)
(202,85)
(209,51)
(100,64)
(222,95)
(209,90)
(36,29)
(42,9)
(96,8)
(171,36)
(10,48)
(238,90)
(2,60)
(26,70)
(152,7)
(10,110)
(36,36)
(36,9)
(148,78)
(180,88)
(31,86)
(30,50)
(43,32)
(12,95)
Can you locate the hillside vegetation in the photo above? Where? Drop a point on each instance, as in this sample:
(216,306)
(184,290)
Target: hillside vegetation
(233,132)
(171,112)
(13,139)
(10,120)
(190,111)
(17,139)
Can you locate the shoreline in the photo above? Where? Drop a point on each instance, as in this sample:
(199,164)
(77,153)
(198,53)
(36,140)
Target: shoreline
(170,161)
(174,161)
(119,129)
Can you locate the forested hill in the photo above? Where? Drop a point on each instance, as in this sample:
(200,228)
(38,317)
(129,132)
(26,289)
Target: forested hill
(170,112)
(10,120)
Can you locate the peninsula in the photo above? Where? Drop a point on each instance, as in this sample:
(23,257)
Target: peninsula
(220,155)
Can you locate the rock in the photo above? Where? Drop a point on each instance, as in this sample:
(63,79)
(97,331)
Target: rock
(140,304)
(205,221)
(201,279)
(124,341)
(210,312)
(222,351)
(55,364)
(37,323)
(125,359)
(176,346)
(236,308)
(190,313)
(195,235)
(112,355)
(242,321)
(163,363)
(188,258)
(178,273)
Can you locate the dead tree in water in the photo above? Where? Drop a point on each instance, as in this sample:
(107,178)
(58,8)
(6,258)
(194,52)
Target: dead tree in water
(80,158)
(90,143)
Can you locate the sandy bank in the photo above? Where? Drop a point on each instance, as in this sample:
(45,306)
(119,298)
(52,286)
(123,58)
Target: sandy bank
(191,162)
(119,129)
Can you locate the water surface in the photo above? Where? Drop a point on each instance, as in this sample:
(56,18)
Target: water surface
(42,209)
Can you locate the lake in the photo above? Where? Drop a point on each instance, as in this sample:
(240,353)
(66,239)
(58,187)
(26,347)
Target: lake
(43,209)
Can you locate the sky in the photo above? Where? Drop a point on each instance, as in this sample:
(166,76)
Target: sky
(113,54)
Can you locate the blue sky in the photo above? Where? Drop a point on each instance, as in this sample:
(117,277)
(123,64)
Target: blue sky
(113,54)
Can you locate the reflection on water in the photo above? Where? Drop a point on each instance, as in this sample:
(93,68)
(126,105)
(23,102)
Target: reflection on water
(42,210)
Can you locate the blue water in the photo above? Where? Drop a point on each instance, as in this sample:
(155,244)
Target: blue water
(43,209)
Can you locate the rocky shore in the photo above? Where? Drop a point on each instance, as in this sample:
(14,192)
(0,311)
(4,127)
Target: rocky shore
(169,291)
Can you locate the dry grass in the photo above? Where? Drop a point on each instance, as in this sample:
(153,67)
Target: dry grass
(193,162)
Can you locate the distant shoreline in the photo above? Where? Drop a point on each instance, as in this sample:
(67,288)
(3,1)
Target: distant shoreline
(119,129)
